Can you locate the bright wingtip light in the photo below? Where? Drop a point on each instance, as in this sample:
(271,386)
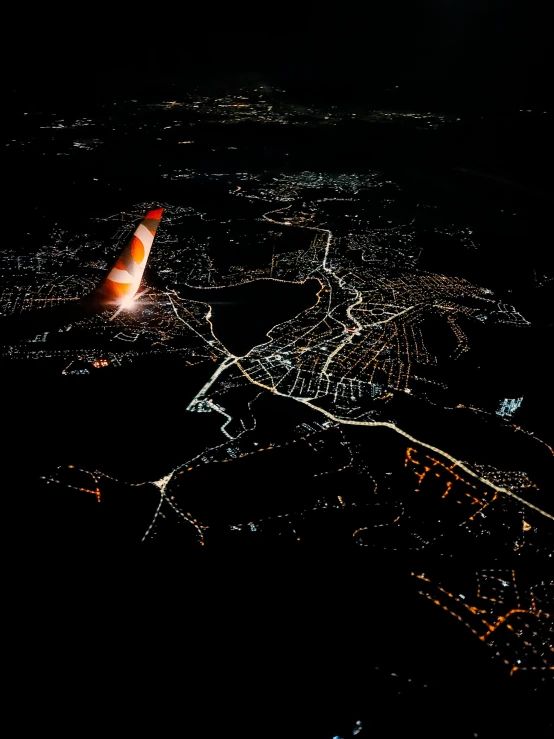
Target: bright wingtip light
(123,281)
(129,302)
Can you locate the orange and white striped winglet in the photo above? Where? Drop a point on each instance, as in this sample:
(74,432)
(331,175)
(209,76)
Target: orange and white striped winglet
(123,280)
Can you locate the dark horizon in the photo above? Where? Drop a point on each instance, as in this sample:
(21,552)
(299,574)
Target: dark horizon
(439,54)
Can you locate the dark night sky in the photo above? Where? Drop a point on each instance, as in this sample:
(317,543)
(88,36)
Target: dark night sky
(446,51)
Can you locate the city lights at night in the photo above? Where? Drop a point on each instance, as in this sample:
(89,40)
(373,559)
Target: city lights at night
(276,313)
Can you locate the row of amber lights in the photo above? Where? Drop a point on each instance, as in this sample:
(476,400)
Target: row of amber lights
(491,627)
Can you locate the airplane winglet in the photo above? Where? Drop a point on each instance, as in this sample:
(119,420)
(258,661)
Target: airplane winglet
(123,280)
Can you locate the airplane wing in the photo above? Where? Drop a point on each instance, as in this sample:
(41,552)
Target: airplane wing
(123,280)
